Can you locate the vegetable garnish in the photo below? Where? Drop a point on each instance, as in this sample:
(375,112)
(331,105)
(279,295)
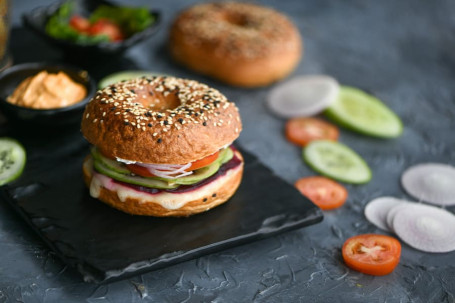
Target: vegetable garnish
(302,131)
(364,113)
(125,75)
(377,210)
(325,193)
(427,228)
(431,182)
(150,170)
(12,160)
(336,160)
(105,24)
(303,96)
(372,254)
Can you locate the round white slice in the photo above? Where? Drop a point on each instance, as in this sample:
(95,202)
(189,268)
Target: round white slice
(391,215)
(427,228)
(431,182)
(376,210)
(303,96)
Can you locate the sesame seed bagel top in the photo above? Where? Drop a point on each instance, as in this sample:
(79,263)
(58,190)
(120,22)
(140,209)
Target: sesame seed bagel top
(160,120)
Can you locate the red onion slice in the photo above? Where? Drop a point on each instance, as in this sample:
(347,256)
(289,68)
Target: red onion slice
(431,182)
(424,227)
(376,211)
(303,96)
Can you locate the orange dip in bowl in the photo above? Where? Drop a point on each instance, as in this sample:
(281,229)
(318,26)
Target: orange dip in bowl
(46,90)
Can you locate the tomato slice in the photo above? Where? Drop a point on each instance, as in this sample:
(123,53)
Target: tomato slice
(372,254)
(106,27)
(144,172)
(79,23)
(139,170)
(302,131)
(322,191)
(204,161)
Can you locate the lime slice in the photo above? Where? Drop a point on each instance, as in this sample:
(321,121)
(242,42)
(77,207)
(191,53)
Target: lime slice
(12,160)
(337,161)
(125,75)
(366,114)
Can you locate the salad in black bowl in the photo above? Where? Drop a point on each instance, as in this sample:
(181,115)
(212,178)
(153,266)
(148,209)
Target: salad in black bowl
(92,27)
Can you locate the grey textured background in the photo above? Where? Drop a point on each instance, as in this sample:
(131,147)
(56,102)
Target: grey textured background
(402,51)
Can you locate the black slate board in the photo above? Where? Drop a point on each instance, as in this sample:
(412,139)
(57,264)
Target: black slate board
(106,244)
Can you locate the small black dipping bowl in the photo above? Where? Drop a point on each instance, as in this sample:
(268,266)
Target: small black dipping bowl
(13,76)
(38,17)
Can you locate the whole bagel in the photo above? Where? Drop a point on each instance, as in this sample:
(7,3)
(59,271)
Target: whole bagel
(160,120)
(238,43)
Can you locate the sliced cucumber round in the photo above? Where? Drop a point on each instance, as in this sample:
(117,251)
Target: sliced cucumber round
(125,75)
(364,113)
(12,160)
(337,161)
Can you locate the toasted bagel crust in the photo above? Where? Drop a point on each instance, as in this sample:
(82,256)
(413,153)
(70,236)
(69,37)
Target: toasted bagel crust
(160,120)
(238,43)
(226,187)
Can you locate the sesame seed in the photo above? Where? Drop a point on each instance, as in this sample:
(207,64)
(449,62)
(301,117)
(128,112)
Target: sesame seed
(204,123)
(149,125)
(159,140)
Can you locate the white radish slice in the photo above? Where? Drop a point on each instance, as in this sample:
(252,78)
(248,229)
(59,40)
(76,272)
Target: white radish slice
(303,96)
(376,210)
(391,215)
(431,182)
(427,228)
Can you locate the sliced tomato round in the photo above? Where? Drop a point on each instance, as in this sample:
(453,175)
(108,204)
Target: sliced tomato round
(144,172)
(372,254)
(322,191)
(302,131)
(79,23)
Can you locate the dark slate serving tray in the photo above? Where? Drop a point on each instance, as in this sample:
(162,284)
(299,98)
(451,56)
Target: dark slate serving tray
(105,244)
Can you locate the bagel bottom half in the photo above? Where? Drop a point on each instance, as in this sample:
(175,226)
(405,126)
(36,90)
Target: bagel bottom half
(196,201)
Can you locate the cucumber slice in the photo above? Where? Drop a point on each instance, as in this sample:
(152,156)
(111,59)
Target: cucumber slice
(125,75)
(147,182)
(109,163)
(361,112)
(12,160)
(337,161)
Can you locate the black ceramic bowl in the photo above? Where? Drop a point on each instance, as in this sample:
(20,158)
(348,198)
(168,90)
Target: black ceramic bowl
(13,76)
(38,17)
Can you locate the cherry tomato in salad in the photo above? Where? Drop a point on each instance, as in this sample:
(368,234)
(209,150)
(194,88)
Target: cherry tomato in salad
(322,191)
(372,254)
(106,27)
(302,131)
(79,23)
